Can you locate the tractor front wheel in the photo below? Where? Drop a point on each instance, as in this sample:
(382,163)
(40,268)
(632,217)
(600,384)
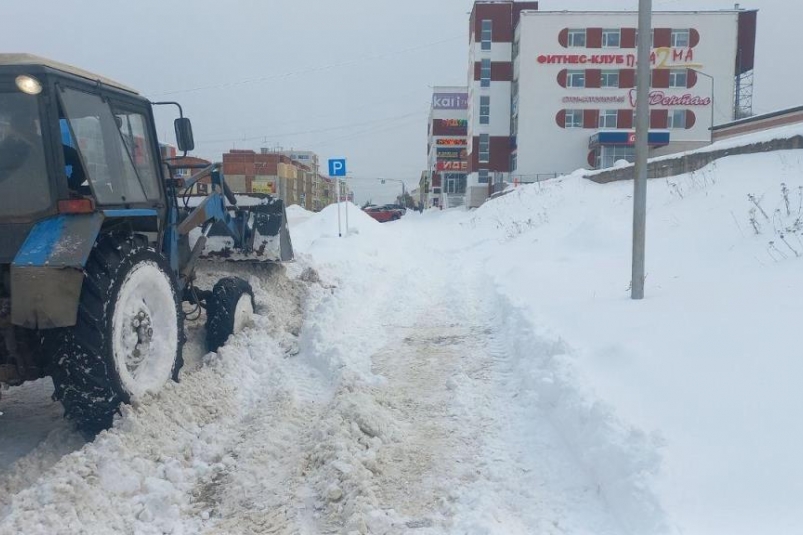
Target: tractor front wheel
(229,310)
(129,335)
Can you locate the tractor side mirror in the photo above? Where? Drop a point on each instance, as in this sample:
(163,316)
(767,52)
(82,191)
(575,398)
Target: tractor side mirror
(184,134)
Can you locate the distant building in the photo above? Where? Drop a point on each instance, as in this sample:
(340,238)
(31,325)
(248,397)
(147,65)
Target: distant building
(447,147)
(171,159)
(311,162)
(551,92)
(271,173)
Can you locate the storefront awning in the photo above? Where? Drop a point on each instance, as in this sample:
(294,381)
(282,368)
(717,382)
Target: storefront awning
(623,137)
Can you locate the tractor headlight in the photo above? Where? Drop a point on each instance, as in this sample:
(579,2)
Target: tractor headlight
(28,84)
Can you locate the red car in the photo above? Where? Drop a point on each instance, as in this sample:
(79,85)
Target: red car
(385,213)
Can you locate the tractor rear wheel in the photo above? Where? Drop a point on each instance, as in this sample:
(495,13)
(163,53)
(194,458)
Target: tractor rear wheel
(229,310)
(129,335)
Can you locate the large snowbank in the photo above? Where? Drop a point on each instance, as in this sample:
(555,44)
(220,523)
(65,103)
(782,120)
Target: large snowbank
(479,372)
(710,361)
(682,407)
(297,214)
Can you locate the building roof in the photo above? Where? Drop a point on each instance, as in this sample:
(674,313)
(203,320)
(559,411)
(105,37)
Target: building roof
(634,11)
(762,117)
(31,59)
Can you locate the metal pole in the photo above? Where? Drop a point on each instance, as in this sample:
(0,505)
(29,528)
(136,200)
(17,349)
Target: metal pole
(337,187)
(347,207)
(713,102)
(642,147)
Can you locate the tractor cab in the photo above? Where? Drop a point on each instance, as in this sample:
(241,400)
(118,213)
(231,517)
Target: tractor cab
(71,141)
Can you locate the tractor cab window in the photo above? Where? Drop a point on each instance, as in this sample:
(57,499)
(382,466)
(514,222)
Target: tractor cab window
(107,144)
(76,176)
(24,185)
(138,144)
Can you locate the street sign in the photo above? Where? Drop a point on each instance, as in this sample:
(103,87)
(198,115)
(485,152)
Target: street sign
(337,167)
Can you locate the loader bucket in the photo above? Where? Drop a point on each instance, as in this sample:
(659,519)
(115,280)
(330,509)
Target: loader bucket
(267,238)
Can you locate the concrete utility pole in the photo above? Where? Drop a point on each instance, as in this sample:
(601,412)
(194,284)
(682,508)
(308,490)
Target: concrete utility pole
(642,147)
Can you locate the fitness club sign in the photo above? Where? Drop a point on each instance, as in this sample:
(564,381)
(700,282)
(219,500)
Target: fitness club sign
(660,58)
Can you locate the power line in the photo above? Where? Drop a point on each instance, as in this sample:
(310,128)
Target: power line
(306,132)
(308,70)
(309,118)
(375,130)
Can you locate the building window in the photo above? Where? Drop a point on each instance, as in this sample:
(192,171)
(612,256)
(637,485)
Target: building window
(677,119)
(611,38)
(487,34)
(485,73)
(678,78)
(455,183)
(609,155)
(610,79)
(576,79)
(577,38)
(514,161)
(574,118)
(485,110)
(482,176)
(485,148)
(608,118)
(681,38)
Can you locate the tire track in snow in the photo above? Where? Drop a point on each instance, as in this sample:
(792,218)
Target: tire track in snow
(443,444)
(262,489)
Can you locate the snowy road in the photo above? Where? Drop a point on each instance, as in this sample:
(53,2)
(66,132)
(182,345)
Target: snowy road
(470,373)
(385,399)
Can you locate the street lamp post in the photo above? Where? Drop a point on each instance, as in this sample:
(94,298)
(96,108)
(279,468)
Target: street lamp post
(713,95)
(404,190)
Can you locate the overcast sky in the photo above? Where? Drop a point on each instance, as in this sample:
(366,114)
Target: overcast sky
(346,78)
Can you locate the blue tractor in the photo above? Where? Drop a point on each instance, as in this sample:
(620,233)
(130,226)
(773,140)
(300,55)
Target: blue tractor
(100,240)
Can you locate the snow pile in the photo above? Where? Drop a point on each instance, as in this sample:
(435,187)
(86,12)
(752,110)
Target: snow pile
(297,215)
(709,362)
(325,225)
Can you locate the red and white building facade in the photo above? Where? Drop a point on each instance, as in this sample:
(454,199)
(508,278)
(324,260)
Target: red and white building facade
(552,92)
(490,85)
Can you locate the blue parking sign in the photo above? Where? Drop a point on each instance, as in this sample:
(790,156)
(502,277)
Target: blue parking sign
(337,167)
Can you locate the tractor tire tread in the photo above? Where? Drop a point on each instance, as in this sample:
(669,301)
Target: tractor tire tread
(84,376)
(220,310)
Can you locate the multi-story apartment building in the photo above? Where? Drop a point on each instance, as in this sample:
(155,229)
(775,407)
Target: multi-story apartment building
(574,85)
(490,85)
(551,92)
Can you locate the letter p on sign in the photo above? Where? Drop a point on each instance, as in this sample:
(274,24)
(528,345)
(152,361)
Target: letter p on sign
(337,168)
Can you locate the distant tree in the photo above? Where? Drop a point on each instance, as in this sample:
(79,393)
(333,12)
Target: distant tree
(406,200)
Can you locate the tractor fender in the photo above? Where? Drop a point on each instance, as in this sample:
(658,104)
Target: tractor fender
(48,271)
